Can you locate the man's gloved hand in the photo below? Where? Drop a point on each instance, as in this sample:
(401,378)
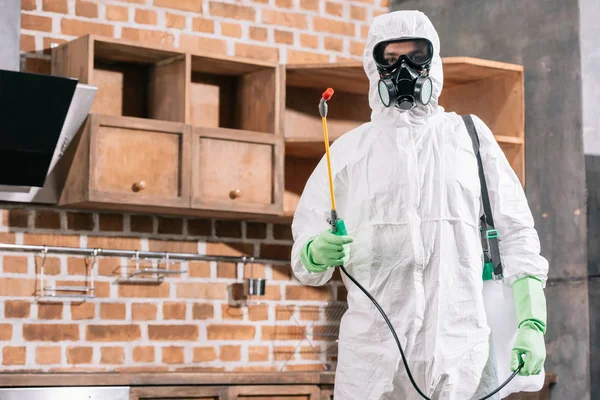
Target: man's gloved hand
(531,318)
(325,251)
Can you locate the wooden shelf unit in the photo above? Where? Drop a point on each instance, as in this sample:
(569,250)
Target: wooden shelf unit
(244,134)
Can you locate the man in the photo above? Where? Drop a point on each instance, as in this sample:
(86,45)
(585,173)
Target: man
(407,186)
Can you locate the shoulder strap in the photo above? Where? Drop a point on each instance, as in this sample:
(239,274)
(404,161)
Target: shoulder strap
(491,234)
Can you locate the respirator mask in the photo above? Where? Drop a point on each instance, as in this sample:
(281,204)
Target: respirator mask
(403,66)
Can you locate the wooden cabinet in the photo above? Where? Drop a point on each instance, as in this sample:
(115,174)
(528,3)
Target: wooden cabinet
(237,171)
(288,392)
(179,393)
(129,161)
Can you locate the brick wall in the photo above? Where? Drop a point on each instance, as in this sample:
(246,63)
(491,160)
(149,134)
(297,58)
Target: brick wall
(184,323)
(293,31)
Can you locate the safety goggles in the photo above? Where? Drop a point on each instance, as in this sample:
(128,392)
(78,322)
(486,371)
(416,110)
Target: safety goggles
(390,53)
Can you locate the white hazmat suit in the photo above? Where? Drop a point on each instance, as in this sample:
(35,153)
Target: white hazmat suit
(408,189)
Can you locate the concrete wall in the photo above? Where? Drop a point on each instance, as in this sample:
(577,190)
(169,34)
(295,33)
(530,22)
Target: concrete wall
(590,90)
(544,37)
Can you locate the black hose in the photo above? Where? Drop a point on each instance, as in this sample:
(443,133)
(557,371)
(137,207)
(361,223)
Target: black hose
(389,324)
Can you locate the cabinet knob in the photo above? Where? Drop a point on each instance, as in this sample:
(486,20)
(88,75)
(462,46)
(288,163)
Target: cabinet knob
(234,194)
(138,186)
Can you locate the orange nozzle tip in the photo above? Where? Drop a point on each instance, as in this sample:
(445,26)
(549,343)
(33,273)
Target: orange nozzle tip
(327,94)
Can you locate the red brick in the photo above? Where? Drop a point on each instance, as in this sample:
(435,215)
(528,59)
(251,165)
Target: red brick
(12,287)
(14,264)
(271,368)
(230,249)
(80,221)
(200,24)
(321,293)
(310,5)
(110,266)
(77,266)
(378,12)
(112,355)
(284,313)
(14,355)
(172,355)
(50,310)
(173,246)
(107,242)
(173,332)
(170,226)
(5,331)
(199,269)
(256,271)
(232,11)
(334,44)
(231,30)
(83,311)
(336,9)
(284,3)
(86,9)
(208,291)
(17,218)
(304,367)
(258,353)
(112,333)
(284,353)
(51,265)
(36,23)
(302,57)
(281,272)
(357,48)
(185,5)
(307,40)
(226,270)
(175,21)
(117,13)
(204,354)
(281,332)
(17,309)
(148,37)
(310,313)
(202,311)
(228,229)
(51,240)
(287,19)
(143,354)
(141,223)
(142,369)
(75,27)
(230,332)
(258,312)
(46,355)
(278,251)
(145,17)
(272,292)
(257,52)
(28,5)
(228,312)
(80,355)
(143,311)
(174,311)
(197,43)
(50,332)
(230,353)
(260,34)
(145,291)
(364,31)
(284,37)
(111,222)
(113,311)
(321,24)
(358,13)
(59,6)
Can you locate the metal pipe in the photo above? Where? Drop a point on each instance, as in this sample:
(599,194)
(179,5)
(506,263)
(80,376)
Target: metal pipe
(132,253)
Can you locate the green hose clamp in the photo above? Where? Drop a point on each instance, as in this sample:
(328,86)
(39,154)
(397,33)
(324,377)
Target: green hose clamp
(491,233)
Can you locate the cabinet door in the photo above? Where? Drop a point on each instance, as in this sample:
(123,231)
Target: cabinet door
(134,161)
(179,393)
(238,171)
(291,392)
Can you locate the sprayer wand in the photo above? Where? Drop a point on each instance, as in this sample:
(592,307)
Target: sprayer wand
(339,228)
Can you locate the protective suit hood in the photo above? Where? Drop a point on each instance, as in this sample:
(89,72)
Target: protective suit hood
(402,24)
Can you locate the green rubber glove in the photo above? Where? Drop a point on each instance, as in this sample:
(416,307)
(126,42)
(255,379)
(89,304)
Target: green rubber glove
(529,345)
(325,251)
